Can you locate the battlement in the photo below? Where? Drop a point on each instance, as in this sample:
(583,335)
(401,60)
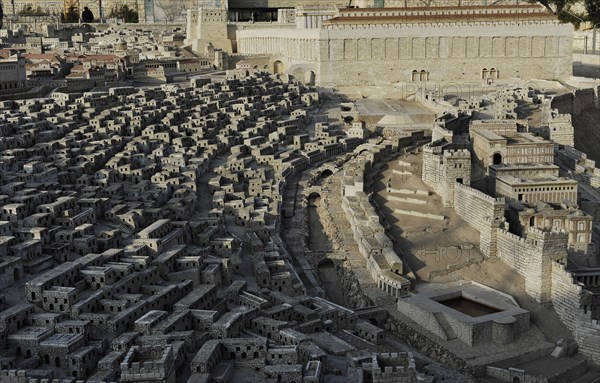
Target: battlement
(559,117)
(563,269)
(431,148)
(517,239)
(480,194)
(457,153)
(496,222)
(545,234)
(397,357)
(392,364)
(536,236)
(20,376)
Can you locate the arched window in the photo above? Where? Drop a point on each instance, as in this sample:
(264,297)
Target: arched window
(424,75)
(493,73)
(415,75)
(484,73)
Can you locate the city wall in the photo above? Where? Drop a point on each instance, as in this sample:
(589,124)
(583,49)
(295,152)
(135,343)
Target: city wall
(575,102)
(566,298)
(532,258)
(482,212)
(383,263)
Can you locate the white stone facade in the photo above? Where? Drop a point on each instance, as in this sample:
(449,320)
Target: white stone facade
(389,45)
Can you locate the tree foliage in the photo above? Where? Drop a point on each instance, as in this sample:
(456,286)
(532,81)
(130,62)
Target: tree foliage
(30,10)
(593,9)
(70,16)
(125,13)
(174,8)
(554,6)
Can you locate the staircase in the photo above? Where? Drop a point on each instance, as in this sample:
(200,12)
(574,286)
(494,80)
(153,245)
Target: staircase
(450,335)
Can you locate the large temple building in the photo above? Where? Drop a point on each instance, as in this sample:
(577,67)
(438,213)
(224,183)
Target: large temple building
(336,45)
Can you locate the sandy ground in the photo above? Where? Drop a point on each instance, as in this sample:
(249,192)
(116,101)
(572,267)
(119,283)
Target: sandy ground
(491,272)
(426,244)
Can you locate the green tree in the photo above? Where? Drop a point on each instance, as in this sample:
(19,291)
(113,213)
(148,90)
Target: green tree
(593,10)
(554,6)
(125,13)
(71,16)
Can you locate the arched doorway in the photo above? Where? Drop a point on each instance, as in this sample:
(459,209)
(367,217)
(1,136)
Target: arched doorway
(516,379)
(278,67)
(326,173)
(325,262)
(497,159)
(323,176)
(314,198)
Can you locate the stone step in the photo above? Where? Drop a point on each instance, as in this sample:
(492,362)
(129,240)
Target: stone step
(407,200)
(445,326)
(419,214)
(408,191)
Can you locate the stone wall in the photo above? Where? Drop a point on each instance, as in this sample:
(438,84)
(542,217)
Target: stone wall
(584,99)
(566,298)
(574,103)
(299,243)
(482,212)
(532,258)
(427,318)
(245,4)
(208,26)
(383,263)
(563,103)
(586,65)
(426,345)
(442,169)
(431,164)
(390,53)
(385,53)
